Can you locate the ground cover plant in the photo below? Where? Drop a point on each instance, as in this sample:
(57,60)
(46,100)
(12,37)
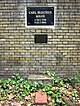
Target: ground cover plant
(17,91)
(75,78)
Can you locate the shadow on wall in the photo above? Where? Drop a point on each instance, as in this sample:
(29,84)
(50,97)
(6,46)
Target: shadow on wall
(64,66)
(10,65)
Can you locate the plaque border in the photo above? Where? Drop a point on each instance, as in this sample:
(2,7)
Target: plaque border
(40,26)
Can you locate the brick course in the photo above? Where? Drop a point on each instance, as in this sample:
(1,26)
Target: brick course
(19,53)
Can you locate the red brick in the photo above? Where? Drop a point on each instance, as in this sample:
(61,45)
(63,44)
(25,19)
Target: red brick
(41,98)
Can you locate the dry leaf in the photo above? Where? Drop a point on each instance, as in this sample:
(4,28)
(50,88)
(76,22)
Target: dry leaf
(21,102)
(69,93)
(9,87)
(29,104)
(10,96)
(2,102)
(16,104)
(79,101)
(62,88)
(21,85)
(27,98)
(33,94)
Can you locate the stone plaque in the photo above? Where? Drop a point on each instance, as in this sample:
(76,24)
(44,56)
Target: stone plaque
(40,16)
(40,38)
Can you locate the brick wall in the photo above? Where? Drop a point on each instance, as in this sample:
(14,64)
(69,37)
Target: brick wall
(18,51)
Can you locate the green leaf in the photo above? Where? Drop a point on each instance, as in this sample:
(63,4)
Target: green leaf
(65,92)
(61,83)
(57,100)
(23,94)
(49,92)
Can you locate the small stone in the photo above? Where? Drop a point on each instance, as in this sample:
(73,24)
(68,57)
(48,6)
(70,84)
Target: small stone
(41,98)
